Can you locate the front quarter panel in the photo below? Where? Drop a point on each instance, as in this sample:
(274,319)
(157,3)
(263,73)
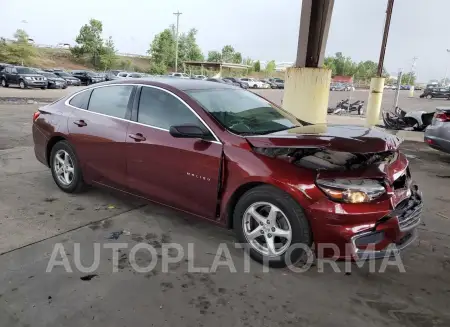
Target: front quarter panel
(243,166)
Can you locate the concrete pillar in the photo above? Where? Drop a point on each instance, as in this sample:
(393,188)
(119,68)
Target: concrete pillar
(411,91)
(374,101)
(306,92)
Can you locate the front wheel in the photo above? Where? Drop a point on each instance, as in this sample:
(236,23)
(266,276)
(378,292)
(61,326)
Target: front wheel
(66,170)
(273,225)
(22,84)
(429,96)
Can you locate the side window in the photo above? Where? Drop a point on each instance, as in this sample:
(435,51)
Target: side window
(13,70)
(161,109)
(81,100)
(111,100)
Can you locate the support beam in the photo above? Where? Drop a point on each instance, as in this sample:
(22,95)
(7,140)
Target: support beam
(307,85)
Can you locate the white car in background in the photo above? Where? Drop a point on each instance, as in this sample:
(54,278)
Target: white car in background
(129,75)
(179,75)
(253,83)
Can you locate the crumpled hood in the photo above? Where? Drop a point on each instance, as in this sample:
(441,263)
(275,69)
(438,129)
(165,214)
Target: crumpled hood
(346,138)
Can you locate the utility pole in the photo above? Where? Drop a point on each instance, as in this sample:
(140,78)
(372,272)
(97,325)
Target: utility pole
(411,73)
(377,83)
(178,13)
(446,70)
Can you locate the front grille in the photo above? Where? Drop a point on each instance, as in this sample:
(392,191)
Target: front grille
(408,212)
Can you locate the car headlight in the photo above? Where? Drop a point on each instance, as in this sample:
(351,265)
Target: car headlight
(50,81)
(351,190)
(28,78)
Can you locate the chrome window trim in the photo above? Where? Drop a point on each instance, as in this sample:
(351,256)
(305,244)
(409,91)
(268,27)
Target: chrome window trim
(217,140)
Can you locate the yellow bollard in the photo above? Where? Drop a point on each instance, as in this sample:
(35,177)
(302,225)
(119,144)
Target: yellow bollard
(374,101)
(411,91)
(306,92)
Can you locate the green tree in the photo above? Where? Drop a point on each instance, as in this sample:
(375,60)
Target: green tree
(271,66)
(214,56)
(257,66)
(228,53)
(108,55)
(188,49)
(20,51)
(89,42)
(21,36)
(237,58)
(408,79)
(162,50)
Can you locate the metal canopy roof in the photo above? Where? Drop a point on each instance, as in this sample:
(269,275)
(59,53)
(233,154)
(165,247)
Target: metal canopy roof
(208,64)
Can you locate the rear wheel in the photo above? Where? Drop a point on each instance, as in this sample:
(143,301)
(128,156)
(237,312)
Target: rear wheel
(255,86)
(429,96)
(4,83)
(66,170)
(271,223)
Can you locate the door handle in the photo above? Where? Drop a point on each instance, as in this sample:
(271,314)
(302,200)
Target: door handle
(80,123)
(138,137)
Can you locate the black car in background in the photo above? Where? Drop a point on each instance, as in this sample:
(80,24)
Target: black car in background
(87,77)
(24,77)
(436,92)
(69,78)
(270,82)
(53,80)
(242,84)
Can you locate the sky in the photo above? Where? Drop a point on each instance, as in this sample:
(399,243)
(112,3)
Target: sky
(259,29)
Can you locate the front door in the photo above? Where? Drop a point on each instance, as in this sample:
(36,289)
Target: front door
(98,131)
(180,172)
(14,76)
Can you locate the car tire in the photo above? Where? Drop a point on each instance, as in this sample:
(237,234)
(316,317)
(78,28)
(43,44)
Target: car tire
(255,86)
(43,88)
(290,210)
(4,83)
(429,96)
(88,82)
(333,89)
(70,180)
(22,84)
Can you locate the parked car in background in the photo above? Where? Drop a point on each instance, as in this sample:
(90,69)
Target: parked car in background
(222,80)
(179,75)
(69,78)
(437,135)
(337,87)
(199,77)
(231,157)
(349,87)
(437,92)
(252,83)
(129,75)
(265,85)
(418,87)
(3,65)
(272,85)
(24,77)
(241,83)
(279,83)
(87,77)
(53,80)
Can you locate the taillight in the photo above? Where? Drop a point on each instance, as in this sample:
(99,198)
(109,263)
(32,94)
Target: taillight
(442,116)
(36,115)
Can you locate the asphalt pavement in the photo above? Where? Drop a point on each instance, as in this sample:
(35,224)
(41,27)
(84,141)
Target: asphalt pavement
(35,216)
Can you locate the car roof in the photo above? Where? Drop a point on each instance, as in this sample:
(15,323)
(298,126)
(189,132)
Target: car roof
(178,83)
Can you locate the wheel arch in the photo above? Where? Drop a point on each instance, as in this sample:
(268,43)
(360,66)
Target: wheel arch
(50,144)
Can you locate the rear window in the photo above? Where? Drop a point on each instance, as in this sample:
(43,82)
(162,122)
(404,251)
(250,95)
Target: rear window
(111,100)
(81,100)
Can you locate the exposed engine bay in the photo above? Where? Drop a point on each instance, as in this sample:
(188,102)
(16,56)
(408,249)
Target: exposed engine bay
(324,159)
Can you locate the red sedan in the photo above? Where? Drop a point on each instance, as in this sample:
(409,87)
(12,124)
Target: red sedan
(227,155)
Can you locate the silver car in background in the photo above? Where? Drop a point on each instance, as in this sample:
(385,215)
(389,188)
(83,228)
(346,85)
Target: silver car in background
(437,135)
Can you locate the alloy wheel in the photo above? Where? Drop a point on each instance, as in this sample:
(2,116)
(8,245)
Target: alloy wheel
(63,167)
(3,83)
(267,229)
(22,85)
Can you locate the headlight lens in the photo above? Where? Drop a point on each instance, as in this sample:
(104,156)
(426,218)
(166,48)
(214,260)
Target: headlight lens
(351,190)
(28,78)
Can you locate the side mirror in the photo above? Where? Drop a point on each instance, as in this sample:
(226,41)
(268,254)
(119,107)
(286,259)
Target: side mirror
(187,131)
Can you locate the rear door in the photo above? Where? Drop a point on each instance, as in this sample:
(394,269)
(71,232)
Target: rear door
(180,172)
(98,130)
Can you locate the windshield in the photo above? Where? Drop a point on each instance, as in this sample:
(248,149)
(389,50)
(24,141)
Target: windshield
(64,74)
(243,112)
(25,71)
